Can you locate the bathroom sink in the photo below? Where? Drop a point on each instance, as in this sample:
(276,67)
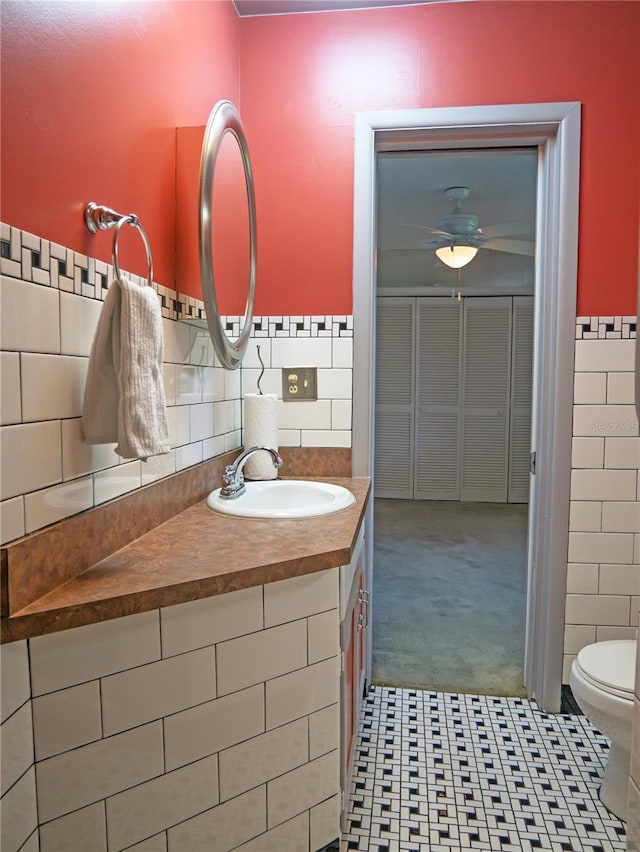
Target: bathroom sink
(284,498)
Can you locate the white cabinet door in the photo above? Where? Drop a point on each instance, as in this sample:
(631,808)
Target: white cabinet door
(438,391)
(485,399)
(395,348)
(354,622)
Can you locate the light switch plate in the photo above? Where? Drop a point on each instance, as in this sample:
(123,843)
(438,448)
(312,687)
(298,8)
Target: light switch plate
(299,384)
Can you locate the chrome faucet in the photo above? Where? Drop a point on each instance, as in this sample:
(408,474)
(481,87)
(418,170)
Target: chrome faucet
(233,477)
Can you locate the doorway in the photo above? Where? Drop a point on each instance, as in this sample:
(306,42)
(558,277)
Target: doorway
(453,365)
(554,129)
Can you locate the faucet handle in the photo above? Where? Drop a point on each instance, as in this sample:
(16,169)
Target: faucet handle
(232,477)
(232,482)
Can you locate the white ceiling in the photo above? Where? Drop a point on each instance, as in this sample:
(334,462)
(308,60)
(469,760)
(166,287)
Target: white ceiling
(412,192)
(247,8)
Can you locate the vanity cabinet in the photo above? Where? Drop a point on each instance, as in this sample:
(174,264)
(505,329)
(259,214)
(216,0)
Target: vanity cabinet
(202,726)
(186,691)
(354,608)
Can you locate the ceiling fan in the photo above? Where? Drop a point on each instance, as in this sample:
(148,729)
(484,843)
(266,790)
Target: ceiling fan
(458,229)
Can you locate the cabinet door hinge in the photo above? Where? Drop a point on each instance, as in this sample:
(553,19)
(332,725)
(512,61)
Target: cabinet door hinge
(342,666)
(532,462)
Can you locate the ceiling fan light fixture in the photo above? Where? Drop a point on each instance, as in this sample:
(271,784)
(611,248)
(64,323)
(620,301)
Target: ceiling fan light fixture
(456,256)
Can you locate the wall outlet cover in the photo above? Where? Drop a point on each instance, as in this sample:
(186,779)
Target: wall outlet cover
(299,384)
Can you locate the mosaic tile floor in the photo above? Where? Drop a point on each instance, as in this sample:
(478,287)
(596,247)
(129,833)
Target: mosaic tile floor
(437,772)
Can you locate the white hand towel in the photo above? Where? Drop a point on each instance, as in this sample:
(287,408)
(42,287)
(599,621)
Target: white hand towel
(124,396)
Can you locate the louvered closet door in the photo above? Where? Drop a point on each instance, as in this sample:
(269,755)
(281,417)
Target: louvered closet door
(486,390)
(521,391)
(395,333)
(438,385)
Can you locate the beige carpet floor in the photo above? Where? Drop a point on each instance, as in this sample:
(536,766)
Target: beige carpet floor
(449,596)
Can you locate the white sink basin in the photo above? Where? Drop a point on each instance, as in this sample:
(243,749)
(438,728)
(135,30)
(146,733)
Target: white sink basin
(284,498)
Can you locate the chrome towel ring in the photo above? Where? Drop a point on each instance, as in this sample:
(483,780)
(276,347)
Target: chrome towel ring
(97,217)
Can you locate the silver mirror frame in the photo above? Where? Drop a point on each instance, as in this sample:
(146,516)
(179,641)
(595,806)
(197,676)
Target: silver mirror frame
(224,118)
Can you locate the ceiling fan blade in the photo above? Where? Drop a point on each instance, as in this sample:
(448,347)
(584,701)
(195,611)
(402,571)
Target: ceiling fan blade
(511,246)
(434,242)
(437,231)
(508,229)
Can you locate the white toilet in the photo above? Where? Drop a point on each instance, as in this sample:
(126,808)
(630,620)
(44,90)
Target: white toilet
(602,681)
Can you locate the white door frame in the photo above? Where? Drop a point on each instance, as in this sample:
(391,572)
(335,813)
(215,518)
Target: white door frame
(554,128)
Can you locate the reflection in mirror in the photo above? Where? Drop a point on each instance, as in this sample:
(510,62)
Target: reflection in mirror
(227,230)
(230,228)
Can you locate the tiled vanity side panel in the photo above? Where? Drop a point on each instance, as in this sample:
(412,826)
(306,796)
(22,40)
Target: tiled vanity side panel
(175,729)
(19,822)
(633,814)
(603,571)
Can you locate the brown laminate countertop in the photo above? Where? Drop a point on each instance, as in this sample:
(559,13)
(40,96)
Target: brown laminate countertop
(195,554)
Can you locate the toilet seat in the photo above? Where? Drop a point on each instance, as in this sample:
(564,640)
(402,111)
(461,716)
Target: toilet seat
(610,666)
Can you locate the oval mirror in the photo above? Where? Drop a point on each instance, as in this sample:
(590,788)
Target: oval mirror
(227,229)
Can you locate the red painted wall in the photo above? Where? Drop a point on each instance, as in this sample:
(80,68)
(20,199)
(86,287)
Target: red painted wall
(230,228)
(304,76)
(92,92)
(91,95)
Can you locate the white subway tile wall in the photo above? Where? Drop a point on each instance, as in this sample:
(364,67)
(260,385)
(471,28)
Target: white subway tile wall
(76,778)
(63,659)
(16,743)
(325,342)
(19,813)
(323,641)
(87,826)
(322,819)
(158,689)
(10,398)
(251,763)
(140,812)
(199,623)
(603,576)
(307,594)
(67,718)
(323,729)
(302,788)
(19,823)
(261,656)
(15,687)
(213,726)
(141,736)
(301,692)
(293,834)
(224,827)
(50,303)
